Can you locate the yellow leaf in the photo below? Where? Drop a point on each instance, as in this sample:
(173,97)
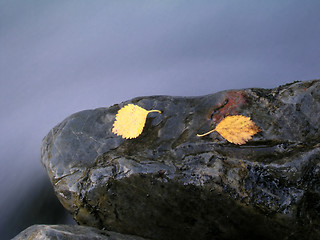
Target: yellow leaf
(130,121)
(236,129)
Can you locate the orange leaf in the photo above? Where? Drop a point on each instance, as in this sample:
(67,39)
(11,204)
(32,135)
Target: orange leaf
(236,129)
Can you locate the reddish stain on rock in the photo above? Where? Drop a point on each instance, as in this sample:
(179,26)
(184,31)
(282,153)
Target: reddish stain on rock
(232,102)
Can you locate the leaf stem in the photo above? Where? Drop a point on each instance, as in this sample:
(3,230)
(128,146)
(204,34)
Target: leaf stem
(201,135)
(158,111)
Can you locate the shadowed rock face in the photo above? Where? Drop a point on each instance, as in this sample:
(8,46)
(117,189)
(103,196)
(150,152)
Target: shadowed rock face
(170,184)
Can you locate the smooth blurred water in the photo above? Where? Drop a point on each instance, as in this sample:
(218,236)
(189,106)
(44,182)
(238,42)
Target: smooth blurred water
(60,57)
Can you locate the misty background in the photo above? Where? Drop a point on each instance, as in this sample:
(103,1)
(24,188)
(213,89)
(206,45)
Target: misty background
(61,57)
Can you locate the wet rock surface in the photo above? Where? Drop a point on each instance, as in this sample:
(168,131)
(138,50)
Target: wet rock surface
(170,184)
(65,232)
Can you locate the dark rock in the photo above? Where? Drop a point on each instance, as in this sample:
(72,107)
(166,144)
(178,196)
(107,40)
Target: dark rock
(170,184)
(65,232)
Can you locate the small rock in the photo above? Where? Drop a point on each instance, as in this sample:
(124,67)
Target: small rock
(170,184)
(65,232)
